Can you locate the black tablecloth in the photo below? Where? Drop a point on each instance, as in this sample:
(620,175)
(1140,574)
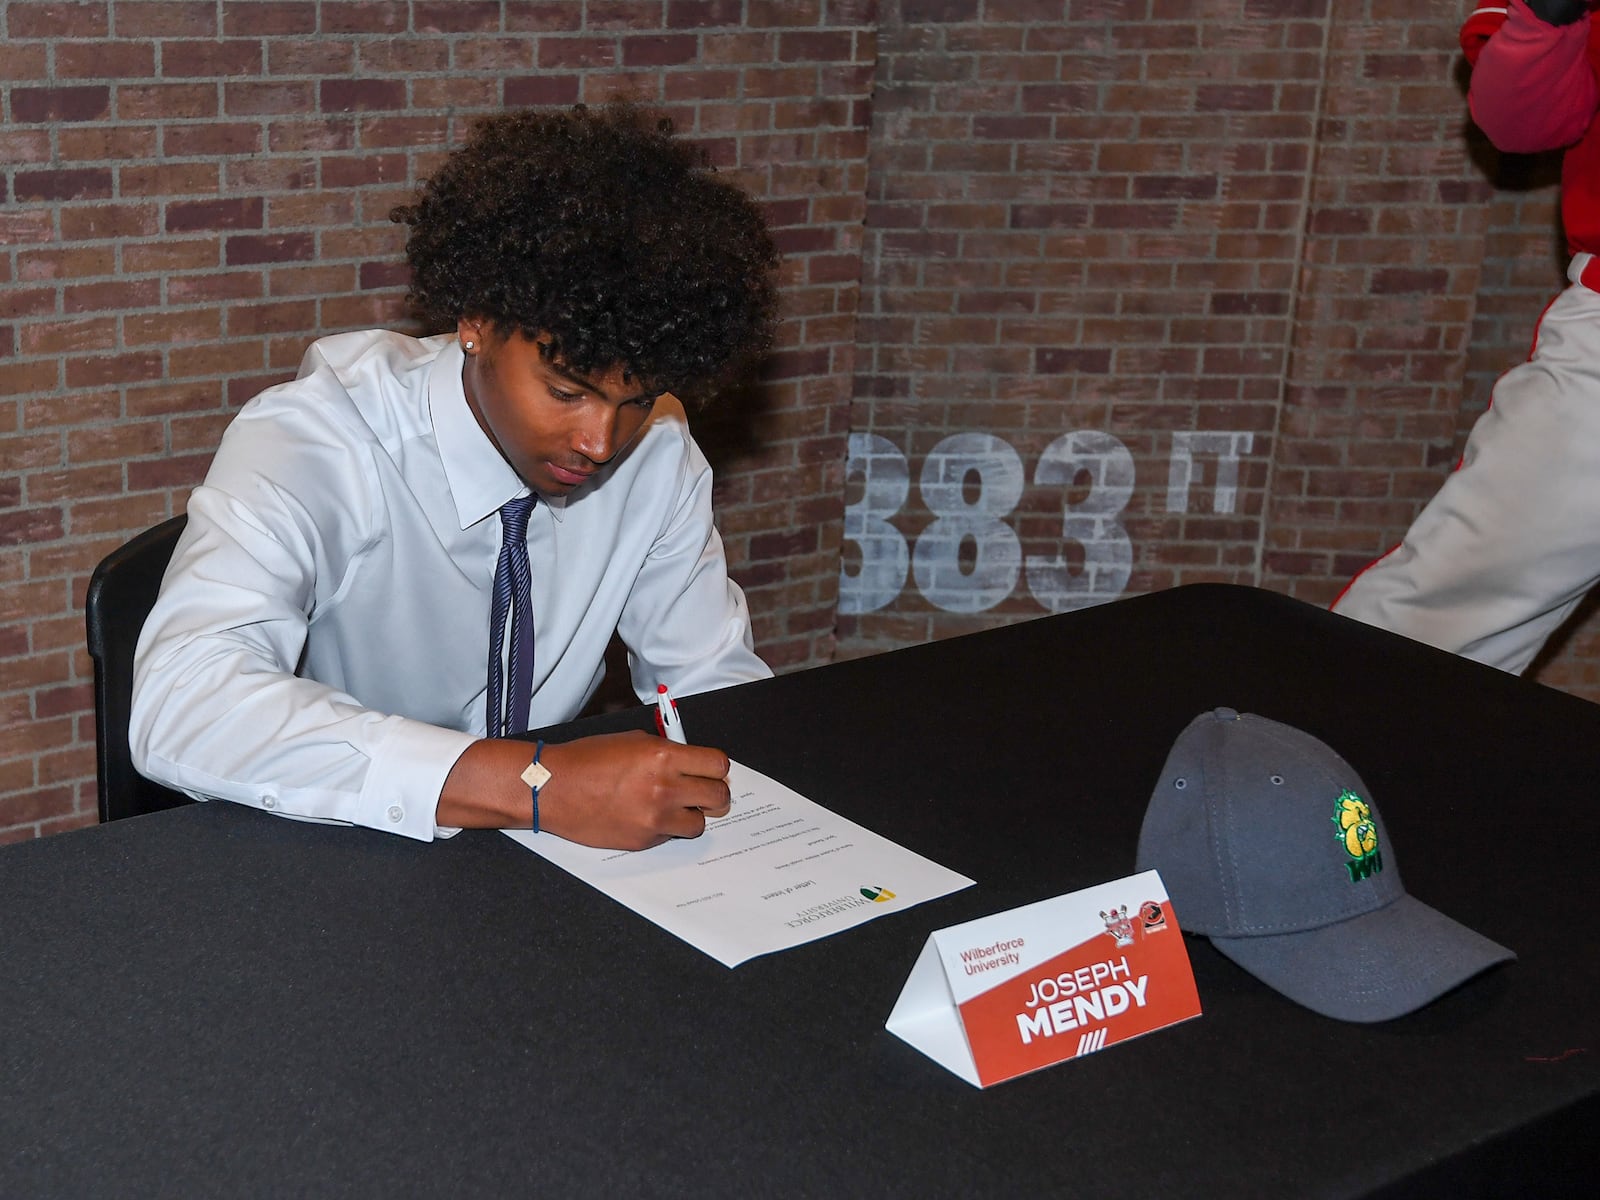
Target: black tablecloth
(217,1001)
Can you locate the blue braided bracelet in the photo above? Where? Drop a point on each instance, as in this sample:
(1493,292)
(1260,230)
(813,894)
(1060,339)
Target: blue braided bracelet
(537,751)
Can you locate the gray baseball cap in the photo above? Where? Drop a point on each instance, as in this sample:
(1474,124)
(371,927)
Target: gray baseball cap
(1270,845)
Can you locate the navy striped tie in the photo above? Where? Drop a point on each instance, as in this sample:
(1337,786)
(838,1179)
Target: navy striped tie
(513,595)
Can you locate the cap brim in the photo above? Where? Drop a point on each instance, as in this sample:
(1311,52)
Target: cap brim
(1374,967)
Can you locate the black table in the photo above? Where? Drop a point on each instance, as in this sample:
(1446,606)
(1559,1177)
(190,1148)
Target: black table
(214,1001)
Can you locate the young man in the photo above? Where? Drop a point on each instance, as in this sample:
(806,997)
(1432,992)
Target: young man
(348,612)
(1511,542)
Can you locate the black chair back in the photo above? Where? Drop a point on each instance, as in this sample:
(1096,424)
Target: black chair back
(121,593)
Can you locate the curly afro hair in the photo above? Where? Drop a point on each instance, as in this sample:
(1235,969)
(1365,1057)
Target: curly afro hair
(598,230)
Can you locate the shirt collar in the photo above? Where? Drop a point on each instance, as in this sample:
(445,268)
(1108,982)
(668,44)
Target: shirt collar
(479,477)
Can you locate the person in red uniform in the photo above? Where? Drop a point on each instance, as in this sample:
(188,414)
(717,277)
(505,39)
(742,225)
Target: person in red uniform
(1511,542)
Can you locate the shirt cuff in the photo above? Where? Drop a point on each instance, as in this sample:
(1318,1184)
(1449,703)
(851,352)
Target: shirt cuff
(407,775)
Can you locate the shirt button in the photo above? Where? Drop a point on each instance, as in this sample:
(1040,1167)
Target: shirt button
(396,812)
(269,802)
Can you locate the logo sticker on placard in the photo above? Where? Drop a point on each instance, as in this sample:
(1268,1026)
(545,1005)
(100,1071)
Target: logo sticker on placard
(1004,995)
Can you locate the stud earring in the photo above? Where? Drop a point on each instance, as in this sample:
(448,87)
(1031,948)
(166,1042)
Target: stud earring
(468,345)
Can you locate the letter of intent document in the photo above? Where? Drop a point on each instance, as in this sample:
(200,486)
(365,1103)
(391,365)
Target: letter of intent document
(778,871)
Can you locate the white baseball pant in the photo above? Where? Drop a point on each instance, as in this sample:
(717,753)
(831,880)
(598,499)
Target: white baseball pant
(1509,545)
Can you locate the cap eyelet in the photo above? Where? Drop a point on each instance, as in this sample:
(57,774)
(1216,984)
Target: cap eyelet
(1180,783)
(1276,780)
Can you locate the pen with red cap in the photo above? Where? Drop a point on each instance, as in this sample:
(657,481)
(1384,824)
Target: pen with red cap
(668,723)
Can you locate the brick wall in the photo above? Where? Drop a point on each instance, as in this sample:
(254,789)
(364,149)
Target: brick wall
(1085,227)
(1393,255)
(1221,286)
(1203,274)
(1149,293)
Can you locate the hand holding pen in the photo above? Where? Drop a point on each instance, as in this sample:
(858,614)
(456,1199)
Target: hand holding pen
(670,726)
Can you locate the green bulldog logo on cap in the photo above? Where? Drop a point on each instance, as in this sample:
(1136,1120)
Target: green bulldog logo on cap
(1359,833)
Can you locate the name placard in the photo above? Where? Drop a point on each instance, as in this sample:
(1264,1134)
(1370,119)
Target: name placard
(1004,995)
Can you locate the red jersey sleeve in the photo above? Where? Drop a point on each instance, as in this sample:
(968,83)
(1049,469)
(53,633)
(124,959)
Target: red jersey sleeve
(1533,87)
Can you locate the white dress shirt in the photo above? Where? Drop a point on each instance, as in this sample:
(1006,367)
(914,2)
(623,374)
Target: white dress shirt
(320,645)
